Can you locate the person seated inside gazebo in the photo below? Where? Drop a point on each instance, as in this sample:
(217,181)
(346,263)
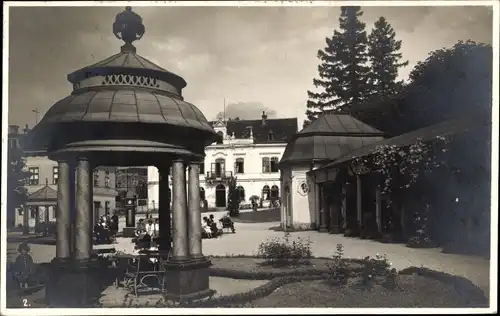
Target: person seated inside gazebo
(24,267)
(140,228)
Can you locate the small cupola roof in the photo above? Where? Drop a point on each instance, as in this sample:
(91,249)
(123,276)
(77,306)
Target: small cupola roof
(124,89)
(329,137)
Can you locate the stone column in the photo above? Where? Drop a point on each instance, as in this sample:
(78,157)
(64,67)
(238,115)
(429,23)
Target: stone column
(164,210)
(378,209)
(359,206)
(194,212)
(26,223)
(46,214)
(72,205)
(344,207)
(180,249)
(94,215)
(322,213)
(83,222)
(335,205)
(63,215)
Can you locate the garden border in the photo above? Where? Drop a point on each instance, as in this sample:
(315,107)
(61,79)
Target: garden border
(464,287)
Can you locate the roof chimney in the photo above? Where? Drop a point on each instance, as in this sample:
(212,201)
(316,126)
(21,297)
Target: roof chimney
(13,129)
(26,129)
(264,117)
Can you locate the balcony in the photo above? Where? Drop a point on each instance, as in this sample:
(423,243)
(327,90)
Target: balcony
(218,176)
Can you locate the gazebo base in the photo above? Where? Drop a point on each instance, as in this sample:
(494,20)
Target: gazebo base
(187,280)
(74,283)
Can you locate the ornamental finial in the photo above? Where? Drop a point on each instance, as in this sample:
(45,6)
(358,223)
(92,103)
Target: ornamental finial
(128,27)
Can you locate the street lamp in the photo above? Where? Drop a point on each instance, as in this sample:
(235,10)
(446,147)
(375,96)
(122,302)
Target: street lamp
(154,208)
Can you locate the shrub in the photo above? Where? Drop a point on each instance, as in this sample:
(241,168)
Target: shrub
(233,205)
(373,267)
(283,252)
(338,271)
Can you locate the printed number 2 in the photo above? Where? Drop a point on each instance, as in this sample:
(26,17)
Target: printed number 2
(25,302)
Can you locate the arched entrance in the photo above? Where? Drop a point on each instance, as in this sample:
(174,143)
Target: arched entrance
(220,196)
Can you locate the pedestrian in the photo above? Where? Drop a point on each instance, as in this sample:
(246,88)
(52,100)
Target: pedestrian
(24,266)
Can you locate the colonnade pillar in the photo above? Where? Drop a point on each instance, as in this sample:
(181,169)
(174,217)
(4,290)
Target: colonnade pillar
(359,206)
(83,222)
(180,249)
(194,212)
(164,216)
(323,209)
(187,270)
(63,216)
(378,209)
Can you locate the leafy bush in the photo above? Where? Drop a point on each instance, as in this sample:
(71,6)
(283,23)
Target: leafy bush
(233,203)
(373,267)
(283,252)
(338,271)
(254,200)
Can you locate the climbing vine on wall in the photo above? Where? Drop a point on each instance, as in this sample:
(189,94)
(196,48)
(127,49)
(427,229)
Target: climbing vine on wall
(400,167)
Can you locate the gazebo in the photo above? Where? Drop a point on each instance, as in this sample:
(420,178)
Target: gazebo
(44,199)
(126,111)
(329,137)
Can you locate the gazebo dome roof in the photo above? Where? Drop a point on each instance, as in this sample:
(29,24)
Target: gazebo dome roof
(122,98)
(329,137)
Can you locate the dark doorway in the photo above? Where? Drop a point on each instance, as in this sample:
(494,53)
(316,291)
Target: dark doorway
(220,196)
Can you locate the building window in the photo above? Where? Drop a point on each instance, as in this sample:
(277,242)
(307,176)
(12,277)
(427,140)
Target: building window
(96,178)
(106,207)
(241,192)
(239,166)
(274,164)
(265,193)
(202,168)
(34,175)
(202,194)
(219,167)
(275,192)
(55,175)
(106,179)
(266,165)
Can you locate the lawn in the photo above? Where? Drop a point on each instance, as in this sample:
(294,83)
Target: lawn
(412,289)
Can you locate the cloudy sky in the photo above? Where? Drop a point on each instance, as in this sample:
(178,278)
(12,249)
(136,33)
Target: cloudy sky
(257,58)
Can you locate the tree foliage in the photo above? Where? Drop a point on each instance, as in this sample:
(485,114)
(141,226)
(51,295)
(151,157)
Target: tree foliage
(17,177)
(343,73)
(233,199)
(385,57)
(141,189)
(451,83)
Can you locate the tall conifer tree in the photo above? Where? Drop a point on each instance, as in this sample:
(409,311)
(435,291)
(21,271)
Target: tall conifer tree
(343,73)
(385,59)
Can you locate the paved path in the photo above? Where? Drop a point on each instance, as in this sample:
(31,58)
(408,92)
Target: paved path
(248,237)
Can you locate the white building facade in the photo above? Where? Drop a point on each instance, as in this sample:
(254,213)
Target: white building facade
(250,151)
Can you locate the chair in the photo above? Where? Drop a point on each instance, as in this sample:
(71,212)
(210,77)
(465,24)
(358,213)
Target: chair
(141,269)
